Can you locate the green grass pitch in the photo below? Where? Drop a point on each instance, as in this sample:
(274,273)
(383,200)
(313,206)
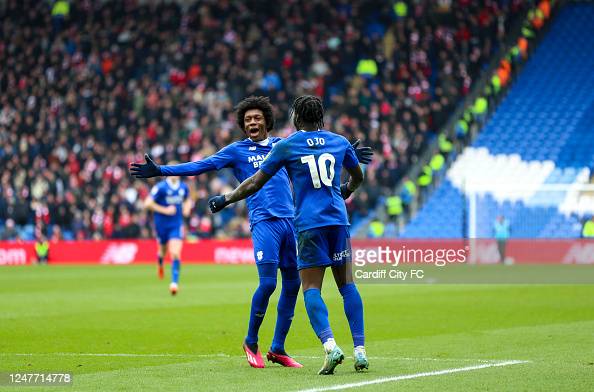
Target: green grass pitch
(116,328)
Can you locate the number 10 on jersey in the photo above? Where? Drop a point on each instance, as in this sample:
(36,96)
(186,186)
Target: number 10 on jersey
(319,173)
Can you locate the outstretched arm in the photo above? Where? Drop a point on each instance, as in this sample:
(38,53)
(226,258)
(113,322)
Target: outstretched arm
(189,168)
(245,189)
(145,170)
(221,159)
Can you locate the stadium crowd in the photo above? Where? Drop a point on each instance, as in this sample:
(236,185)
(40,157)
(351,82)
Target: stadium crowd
(87,88)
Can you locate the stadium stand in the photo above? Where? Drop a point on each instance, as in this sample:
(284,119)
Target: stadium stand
(541,134)
(89,87)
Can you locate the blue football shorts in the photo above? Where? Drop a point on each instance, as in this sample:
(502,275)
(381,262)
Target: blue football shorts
(275,242)
(164,234)
(326,246)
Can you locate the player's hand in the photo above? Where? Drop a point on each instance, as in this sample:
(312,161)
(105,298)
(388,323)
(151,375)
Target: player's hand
(364,154)
(345,192)
(217,203)
(170,210)
(145,170)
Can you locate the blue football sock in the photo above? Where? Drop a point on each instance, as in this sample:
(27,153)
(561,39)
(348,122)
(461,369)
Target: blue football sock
(318,314)
(267,273)
(160,261)
(353,308)
(175,271)
(285,309)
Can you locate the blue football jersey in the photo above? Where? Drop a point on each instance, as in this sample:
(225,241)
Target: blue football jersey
(164,194)
(314,161)
(274,200)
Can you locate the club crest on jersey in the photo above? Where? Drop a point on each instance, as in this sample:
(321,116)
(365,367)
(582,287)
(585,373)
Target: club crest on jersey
(260,255)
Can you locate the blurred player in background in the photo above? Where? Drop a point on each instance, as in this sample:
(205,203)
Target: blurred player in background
(312,157)
(170,202)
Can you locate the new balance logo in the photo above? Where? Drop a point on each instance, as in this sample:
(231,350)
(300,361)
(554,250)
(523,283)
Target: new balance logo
(252,148)
(124,253)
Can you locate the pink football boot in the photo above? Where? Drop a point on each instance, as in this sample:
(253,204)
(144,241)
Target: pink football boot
(254,359)
(283,360)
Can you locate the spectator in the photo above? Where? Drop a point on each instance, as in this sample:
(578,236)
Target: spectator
(86,84)
(588,229)
(42,250)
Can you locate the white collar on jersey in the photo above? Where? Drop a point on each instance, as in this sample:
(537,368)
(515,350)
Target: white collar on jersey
(262,142)
(172,185)
(303,130)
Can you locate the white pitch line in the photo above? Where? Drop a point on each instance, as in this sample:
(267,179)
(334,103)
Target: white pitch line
(223,355)
(416,359)
(411,376)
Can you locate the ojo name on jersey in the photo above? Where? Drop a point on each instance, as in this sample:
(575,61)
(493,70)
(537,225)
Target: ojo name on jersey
(316,141)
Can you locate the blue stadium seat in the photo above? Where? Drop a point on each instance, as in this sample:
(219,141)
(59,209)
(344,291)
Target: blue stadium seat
(548,115)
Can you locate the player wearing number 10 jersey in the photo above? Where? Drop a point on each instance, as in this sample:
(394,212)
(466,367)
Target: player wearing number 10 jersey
(313,159)
(271,213)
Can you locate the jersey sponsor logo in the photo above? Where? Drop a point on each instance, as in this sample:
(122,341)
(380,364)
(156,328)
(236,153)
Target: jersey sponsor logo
(123,253)
(13,256)
(256,160)
(253,158)
(177,199)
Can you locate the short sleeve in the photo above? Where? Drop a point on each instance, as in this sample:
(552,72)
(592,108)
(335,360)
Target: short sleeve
(155,191)
(275,160)
(350,157)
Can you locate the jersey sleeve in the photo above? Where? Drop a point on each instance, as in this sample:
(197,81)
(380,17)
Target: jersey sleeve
(350,157)
(155,191)
(275,160)
(223,158)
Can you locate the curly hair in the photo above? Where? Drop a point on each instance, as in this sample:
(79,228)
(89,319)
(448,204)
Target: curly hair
(308,109)
(253,102)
